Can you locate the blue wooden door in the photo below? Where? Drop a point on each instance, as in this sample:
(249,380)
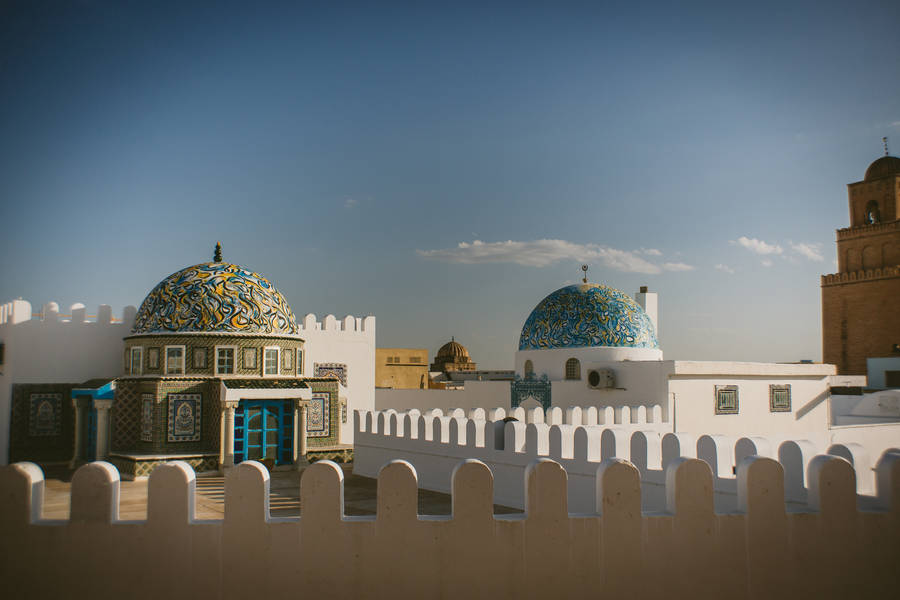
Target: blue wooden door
(264,429)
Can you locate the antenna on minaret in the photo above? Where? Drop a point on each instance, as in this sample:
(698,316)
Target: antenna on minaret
(884,141)
(217,256)
(585,269)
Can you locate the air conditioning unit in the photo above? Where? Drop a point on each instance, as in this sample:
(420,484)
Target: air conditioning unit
(601,379)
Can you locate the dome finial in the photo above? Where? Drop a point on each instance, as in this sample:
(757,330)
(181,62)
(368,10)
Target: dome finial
(217,256)
(884,141)
(585,269)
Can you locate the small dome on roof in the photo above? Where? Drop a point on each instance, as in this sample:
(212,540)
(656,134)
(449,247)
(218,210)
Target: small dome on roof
(884,166)
(452,349)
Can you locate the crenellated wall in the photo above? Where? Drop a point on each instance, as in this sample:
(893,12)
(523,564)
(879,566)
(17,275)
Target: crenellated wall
(831,549)
(49,347)
(349,341)
(580,438)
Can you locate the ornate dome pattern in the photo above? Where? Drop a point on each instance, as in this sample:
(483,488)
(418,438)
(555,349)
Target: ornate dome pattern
(587,315)
(215,297)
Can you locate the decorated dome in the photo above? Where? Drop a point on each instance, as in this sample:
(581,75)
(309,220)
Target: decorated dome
(587,315)
(886,165)
(453,350)
(215,297)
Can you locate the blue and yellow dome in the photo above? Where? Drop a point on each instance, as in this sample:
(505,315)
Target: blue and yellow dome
(215,297)
(587,315)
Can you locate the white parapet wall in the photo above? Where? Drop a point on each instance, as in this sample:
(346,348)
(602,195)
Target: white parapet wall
(350,342)
(833,550)
(579,439)
(49,347)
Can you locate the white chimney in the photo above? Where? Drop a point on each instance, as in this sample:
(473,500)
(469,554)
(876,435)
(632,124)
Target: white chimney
(649,302)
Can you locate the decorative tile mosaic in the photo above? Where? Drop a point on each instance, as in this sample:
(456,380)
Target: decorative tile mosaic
(215,296)
(727,400)
(587,315)
(147,417)
(780,398)
(184,417)
(338,370)
(318,415)
(522,390)
(44,414)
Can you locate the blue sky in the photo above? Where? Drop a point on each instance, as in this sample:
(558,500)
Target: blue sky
(445,166)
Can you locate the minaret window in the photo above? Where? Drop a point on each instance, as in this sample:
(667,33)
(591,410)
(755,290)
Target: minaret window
(873,215)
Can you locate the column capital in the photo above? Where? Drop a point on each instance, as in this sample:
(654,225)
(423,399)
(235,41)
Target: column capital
(101,404)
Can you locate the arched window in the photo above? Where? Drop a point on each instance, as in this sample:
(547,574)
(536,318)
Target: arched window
(873,215)
(529,369)
(573,369)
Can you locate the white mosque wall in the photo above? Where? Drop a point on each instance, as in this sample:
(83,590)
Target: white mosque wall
(692,390)
(349,341)
(57,348)
(552,362)
(474,394)
(828,549)
(434,443)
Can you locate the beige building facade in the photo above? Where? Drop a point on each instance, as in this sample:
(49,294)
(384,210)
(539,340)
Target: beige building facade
(401,368)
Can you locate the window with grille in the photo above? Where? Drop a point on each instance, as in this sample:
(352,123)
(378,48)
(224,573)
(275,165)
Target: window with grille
(174,360)
(573,369)
(270,361)
(726,399)
(224,361)
(780,398)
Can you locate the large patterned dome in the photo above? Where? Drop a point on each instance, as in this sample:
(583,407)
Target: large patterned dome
(215,297)
(587,315)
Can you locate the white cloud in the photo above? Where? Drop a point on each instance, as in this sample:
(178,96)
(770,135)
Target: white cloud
(810,251)
(350,202)
(541,253)
(757,246)
(766,262)
(677,266)
(725,268)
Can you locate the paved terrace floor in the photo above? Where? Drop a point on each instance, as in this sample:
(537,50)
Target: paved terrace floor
(284,496)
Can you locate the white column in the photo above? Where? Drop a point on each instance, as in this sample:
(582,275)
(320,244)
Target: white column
(102,407)
(301,438)
(228,434)
(79,437)
(296,449)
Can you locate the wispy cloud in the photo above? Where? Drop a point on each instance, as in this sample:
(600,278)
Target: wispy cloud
(677,266)
(541,253)
(725,268)
(757,246)
(810,251)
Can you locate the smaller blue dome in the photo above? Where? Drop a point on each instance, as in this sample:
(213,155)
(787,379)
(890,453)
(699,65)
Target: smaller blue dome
(587,315)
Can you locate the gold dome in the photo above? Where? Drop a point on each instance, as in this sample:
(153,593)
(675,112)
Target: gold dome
(884,166)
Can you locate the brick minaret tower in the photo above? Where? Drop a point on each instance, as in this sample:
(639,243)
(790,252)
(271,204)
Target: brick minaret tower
(861,302)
